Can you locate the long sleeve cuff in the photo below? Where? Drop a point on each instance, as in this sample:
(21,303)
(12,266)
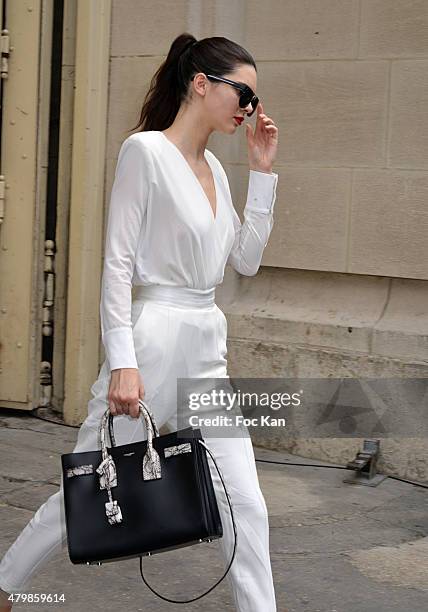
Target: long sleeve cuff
(119,347)
(261,191)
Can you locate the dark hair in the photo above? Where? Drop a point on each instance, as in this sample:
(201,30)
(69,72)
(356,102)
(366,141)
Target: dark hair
(170,83)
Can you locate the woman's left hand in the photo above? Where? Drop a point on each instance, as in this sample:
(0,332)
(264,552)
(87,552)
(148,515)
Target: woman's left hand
(262,143)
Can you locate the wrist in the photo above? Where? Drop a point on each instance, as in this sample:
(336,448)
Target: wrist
(264,170)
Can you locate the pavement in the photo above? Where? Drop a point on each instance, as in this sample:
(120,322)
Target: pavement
(335,547)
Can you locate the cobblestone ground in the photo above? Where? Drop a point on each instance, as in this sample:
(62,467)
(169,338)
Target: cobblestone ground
(335,547)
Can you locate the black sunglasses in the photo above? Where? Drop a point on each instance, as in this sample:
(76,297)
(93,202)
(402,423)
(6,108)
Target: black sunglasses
(247,94)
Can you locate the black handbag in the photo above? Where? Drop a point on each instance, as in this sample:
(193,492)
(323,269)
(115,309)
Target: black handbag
(141,498)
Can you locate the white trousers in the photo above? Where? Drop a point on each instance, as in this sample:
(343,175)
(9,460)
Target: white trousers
(178,333)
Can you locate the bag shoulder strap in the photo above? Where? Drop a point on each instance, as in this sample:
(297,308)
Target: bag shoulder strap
(234,546)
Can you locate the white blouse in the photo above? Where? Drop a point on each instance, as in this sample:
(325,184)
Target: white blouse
(161,229)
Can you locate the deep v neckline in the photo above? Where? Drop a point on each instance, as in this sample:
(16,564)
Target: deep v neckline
(192,172)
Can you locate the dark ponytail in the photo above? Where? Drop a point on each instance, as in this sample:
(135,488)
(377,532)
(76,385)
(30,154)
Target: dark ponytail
(170,83)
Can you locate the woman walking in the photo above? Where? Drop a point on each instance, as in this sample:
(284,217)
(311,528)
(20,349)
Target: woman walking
(172,228)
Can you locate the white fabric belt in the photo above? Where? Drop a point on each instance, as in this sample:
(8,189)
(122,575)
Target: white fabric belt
(175,295)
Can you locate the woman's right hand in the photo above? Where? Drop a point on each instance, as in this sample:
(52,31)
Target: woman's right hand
(126,388)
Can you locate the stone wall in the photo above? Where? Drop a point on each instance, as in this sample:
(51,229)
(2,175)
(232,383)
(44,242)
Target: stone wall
(343,286)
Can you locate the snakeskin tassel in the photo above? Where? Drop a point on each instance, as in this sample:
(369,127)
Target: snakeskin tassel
(151,464)
(107,472)
(113,511)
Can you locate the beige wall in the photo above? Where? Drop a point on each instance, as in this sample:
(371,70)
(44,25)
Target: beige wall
(345,81)
(343,288)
